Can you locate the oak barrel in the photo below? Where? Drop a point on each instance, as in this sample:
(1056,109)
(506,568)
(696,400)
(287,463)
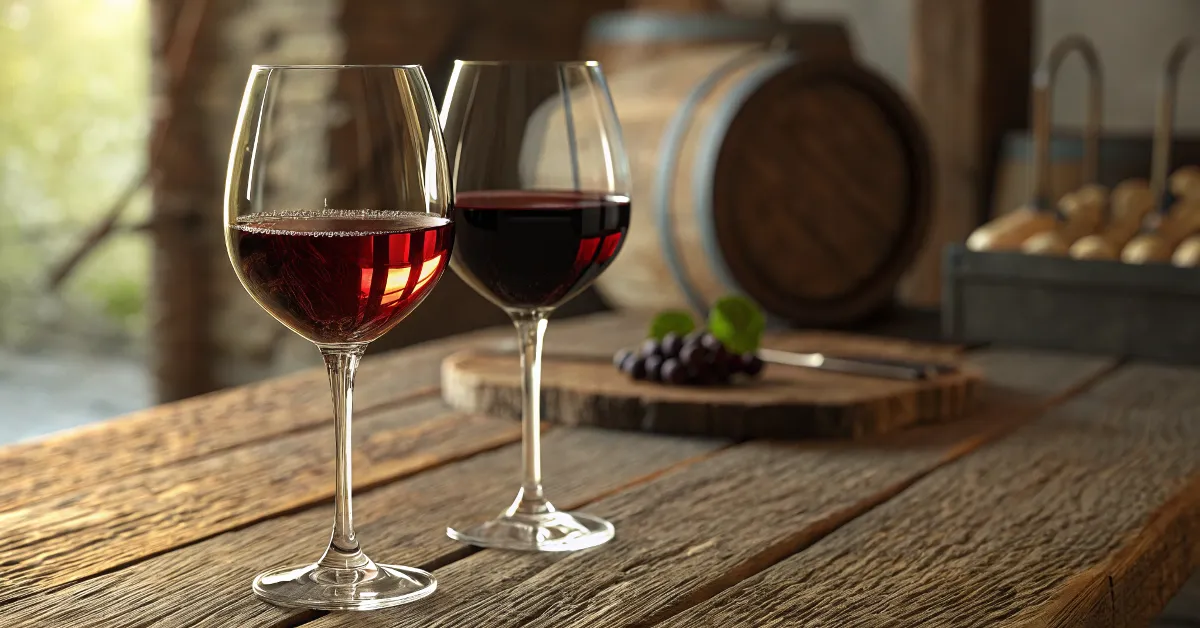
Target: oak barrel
(803,183)
(626,39)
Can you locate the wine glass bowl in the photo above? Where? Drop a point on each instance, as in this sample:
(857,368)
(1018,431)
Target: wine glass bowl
(338,223)
(541,204)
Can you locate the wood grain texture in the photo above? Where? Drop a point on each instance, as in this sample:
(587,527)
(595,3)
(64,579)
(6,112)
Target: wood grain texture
(208,584)
(679,537)
(214,423)
(103,515)
(1080,518)
(205,426)
(784,402)
(971,63)
(841,126)
(1024,376)
(63,539)
(693,533)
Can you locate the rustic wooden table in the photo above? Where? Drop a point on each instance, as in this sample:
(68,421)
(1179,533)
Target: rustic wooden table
(1067,500)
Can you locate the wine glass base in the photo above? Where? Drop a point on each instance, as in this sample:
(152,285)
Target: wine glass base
(547,532)
(322,588)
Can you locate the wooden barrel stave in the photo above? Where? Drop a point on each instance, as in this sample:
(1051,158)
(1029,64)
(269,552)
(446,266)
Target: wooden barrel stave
(860,261)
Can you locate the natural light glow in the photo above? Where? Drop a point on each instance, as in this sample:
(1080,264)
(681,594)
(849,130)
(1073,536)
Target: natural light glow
(427,269)
(397,280)
(121,5)
(17,17)
(432,180)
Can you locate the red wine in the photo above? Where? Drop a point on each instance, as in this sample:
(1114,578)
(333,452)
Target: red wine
(340,277)
(536,249)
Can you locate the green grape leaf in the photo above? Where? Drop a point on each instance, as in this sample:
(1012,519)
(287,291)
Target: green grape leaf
(669,321)
(737,323)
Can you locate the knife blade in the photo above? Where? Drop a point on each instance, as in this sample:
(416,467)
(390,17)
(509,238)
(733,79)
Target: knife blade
(868,367)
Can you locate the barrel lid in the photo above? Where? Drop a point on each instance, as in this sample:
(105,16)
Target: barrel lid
(820,189)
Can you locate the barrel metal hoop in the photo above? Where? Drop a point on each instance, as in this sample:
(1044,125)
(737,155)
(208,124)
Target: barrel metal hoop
(672,143)
(705,169)
(652,26)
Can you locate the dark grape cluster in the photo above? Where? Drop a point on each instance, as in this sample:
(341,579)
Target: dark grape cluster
(697,359)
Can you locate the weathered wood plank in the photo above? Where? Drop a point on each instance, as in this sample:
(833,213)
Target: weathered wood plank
(691,534)
(202,426)
(208,584)
(207,425)
(1080,518)
(971,62)
(62,539)
(680,539)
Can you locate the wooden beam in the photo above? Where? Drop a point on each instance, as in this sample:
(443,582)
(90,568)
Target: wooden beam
(971,63)
(184,211)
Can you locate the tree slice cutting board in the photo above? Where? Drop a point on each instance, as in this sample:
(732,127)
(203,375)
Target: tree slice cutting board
(785,402)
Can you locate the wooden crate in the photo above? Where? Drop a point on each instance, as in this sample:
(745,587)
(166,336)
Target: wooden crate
(1140,311)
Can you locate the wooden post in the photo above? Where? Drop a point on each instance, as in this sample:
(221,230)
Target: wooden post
(185,213)
(971,66)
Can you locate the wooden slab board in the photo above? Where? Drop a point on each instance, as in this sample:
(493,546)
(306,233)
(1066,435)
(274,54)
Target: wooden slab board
(785,402)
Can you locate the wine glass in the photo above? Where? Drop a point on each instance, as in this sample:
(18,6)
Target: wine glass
(336,223)
(541,205)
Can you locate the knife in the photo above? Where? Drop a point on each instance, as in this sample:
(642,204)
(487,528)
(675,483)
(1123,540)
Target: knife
(867,367)
(886,368)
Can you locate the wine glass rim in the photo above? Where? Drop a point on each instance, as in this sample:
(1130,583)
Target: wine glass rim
(369,66)
(571,64)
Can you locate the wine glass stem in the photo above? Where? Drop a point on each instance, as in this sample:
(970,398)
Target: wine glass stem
(531,328)
(342,362)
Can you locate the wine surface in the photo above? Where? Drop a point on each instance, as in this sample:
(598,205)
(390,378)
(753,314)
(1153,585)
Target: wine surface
(337,277)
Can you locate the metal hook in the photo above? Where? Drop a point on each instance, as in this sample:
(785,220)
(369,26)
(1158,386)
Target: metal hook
(1043,92)
(1164,124)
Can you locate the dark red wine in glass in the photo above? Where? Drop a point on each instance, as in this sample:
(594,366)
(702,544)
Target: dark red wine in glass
(341,277)
(536,249)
